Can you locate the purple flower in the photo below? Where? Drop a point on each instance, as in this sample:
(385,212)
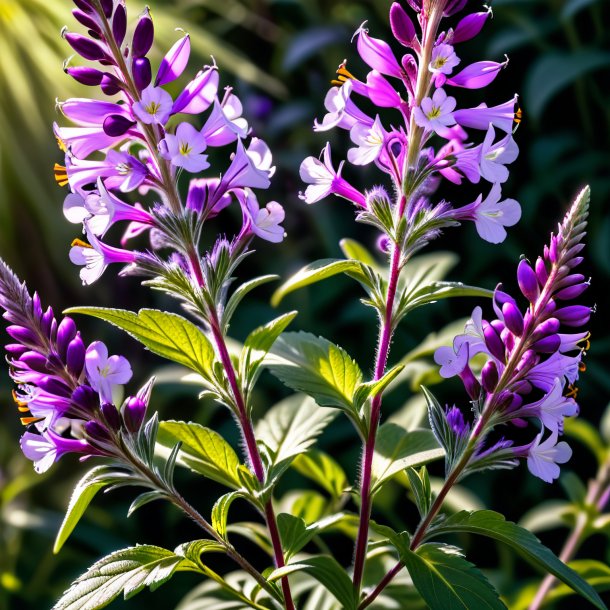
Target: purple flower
(82,141)
(552,408)
(225,123)
(369,140)
(443,59)
(455,419)
(249,168)
(46,447)
(494,157)
(477,75)
(174,62)
(435,113)
(185,147)
(543,457)
(199,94)
(377,53)
(481,117)
(155,106)
(105,372)
(323,180)
(342,112)
(265,222)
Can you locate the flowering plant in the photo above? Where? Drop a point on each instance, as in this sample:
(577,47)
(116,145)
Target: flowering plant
(518,368)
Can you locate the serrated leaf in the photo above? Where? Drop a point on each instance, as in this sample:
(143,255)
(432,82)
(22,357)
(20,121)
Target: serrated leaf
(328,572)
(316,366)
(372,388)
(240,293)
(220,511)
(126,571)
(397,449)
(203,451)
(86,489)
(290,428)
(294,534)
(315,272)
(447,581)
(324,470)
(493,525)
(166,334)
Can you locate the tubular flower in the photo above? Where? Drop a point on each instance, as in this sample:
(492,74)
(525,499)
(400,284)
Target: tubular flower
(531,366)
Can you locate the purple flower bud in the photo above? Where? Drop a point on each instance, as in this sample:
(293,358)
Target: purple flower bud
(86,20)
(402,26)
(107,6)
(528,360)
(85,76)
(35,361)
(493,341)
(86,398)
(573,315)
(409,65)
(471,383)
(513,318)
(454,6)
(174,62)
(133,412)
(54,385)
(97,433)
(469,26)
(547,345)
(111,415)
(116,125)
(75,356)
(575,262)
(541,272)
(477,75)
(142,74)
(85,47)
(508,339)
(85,6)
(36,306)
(570,280)
(549,327)
(455,419)
(415,5)
(528,282)
(489,376)
(119,24)
(110,84)
(15,349)
(66,331)
(143,35)
(571,292)
(46,322)
(22,334)
(553,249)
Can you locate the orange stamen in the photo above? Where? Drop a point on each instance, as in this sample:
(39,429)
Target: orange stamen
(61,174)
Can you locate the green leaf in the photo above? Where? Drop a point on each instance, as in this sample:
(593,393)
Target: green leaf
(493,525)
(552,72)
(220,511)
(203,451)
(397,449)
(315,272)
(316,366)
(85,490)
(294,534)
(447,581)
(588,435)
(145,498)
(547,515)
(420,486)
(127,571)
(328,572)
(324,470)
(436,291)
(372,388)
(258,343)
(240,293)
(290,428)
(166,334)
(356,251)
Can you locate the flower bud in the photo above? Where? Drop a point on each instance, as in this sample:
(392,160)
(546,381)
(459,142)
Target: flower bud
(141,72)
(75,356)
(547,345)
(554,249)
(573,315)
(489,376)
(85,47)
(16,350)
(549,327)
(111,416)
(22,334)
(107,6)
(66,331)
(574,262)
(513,318)
(86,398)
(542,274)
(402,26)
(89,22)
(415,5)
(493,341)
(98,433)
(528,282)
(35,361)
(85,6)
(116,125)
(571,292)
(528,360)
(469,26)
(453,6)
(522,387)
(133,412)
(110,84)
(143,35)
(85,76)
(53,385)
(508,339)
(174,62)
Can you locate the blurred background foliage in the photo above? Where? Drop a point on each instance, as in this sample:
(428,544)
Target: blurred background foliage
(280,56)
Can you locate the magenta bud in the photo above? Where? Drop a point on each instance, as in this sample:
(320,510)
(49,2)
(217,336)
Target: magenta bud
(570,280)
(119,24)
(46,322)
(143,35)
(22,334)
(111,416)
(174,62)
(16,349)
(469,26)
(35,362)
(528,360)
(547,345)
(133,412)
(571,292)
(508,339)
(471,383)
(573,315)
(86,20)
(402,26)
(85,76)
(85,6)
(489,376)
(85,47)
(116,125)
(110,84)
(518,422)
(415,5)
(493,341)
(513,318)
(66,331)
(141,71)
(549,327)
(409,65)
(453,6)
(86,398)
(75,356)
(36,306)
(107,6)
(97,432)
(574,250)
(553,249)
(528,282)
(541,272)
(53,385)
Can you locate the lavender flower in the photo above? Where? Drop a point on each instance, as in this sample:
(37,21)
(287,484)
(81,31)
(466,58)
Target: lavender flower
(529,362)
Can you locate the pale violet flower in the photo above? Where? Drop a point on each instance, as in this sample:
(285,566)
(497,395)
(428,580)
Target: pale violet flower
(543,457)
(436,112)
(369,140)
(155,106)
(105,372)
(263,222)
(494,157)
(443,59)
(185,147)
(552,408)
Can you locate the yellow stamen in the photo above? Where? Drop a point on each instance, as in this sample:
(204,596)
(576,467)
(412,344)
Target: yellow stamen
(343,75)
(572,391)
(80,243)
(26,421)
(61,174)
(61,144)
(518,116)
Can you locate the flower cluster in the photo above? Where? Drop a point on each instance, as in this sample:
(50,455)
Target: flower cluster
(418,88)
(531,362)
(142,139)
(66,387)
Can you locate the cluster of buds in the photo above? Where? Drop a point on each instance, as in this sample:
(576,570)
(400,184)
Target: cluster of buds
(141,140)
(66,388)
(416,87)
(532,363)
